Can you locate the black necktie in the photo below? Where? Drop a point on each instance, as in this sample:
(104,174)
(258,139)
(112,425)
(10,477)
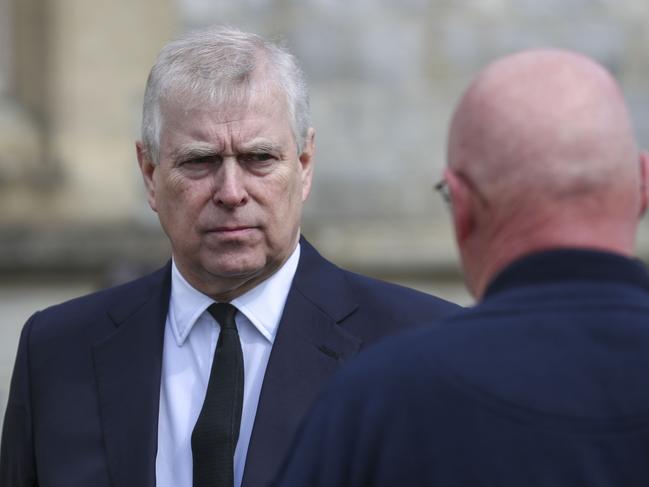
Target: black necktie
(216,431)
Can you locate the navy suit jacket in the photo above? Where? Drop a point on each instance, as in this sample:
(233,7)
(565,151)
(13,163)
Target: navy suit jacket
(83,404)
(544,383)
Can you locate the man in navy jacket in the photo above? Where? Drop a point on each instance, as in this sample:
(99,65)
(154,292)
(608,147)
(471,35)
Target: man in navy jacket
(544,382)
(107,388)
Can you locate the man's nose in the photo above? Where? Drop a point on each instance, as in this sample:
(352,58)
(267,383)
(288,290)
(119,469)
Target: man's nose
(230,190)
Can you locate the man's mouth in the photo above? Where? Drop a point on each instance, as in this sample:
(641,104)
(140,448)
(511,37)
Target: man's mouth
(232,230)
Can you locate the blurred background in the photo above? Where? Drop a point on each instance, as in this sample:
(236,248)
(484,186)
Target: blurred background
(384,78)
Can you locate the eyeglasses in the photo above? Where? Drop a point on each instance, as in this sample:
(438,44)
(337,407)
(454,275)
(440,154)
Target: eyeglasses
(442,188)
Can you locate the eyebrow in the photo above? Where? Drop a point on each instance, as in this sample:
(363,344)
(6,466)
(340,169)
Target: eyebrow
(199,150)
(193,151)
(260,145)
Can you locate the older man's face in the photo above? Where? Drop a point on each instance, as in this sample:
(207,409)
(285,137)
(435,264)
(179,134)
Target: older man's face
(228,190)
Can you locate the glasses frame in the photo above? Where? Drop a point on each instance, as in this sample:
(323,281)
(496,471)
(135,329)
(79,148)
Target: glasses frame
(442,188)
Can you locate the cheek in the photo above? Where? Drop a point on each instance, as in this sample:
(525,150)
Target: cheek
(176,184)
(281,200)
(290,195)
(293,200)
(182,200)
(294,185)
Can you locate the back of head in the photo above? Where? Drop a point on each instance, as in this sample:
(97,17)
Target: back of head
(221,67)
(545,140)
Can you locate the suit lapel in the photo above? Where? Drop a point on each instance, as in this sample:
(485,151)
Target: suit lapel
(127,370)
(310,345)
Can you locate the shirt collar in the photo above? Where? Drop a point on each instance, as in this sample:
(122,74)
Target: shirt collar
(262,305)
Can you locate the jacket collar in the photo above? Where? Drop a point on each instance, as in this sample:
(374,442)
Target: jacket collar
(127,370)
(310,345)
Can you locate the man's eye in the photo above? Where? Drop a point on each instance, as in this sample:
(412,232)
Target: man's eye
(198,161)
(257,157)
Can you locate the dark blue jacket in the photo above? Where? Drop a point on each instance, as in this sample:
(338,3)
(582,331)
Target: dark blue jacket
(83,404)
(544,383)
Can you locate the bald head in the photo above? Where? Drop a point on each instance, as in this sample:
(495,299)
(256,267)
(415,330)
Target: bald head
(542,146)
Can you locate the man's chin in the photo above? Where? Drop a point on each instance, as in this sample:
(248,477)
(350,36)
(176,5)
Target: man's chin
(225,283)
(235,270)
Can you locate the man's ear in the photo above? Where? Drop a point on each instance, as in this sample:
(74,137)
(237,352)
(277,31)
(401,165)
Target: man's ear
(147,168)
(306,161)
(461,206)
(644,182)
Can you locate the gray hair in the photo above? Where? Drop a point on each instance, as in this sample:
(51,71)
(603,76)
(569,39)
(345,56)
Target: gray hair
(217,65)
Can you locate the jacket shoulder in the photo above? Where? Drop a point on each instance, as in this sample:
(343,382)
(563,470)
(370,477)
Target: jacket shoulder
(390,296)
(385,308)
(116,303)
(368,307)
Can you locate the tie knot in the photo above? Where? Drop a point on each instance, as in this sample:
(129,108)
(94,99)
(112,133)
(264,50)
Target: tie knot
(223,313)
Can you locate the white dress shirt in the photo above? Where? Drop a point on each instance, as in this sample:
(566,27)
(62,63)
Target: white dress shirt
(189,343)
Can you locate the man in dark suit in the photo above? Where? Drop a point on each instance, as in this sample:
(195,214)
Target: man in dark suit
(545,381)
(200,373)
